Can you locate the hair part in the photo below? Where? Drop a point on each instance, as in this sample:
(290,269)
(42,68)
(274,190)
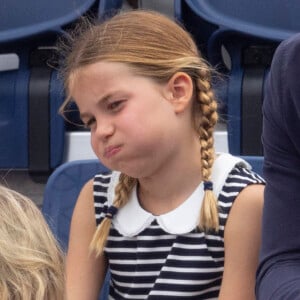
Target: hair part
(31,261)
(135,38)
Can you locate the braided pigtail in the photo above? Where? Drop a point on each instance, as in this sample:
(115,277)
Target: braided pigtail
(209,219)
(122,192)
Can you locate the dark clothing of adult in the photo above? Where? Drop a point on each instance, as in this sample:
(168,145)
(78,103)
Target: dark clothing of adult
(278,276)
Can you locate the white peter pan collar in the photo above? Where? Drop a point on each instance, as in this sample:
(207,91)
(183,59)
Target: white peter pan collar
(132,218)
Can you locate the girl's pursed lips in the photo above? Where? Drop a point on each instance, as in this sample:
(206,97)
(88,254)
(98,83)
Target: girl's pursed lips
(111,151)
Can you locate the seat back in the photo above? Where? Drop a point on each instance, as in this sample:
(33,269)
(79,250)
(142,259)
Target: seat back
(61,192)
(109,7)
(32,132)
(239,37)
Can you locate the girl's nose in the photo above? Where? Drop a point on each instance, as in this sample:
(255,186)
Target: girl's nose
(104,129)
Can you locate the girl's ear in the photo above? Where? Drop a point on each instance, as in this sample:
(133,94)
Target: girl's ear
(180,91)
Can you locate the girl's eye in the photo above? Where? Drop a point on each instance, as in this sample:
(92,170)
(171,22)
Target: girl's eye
(114,106)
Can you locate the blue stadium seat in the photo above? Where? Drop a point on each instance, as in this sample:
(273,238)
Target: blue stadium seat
(32,133)
(239,37)
(61,192)
(25,19)
(109,7)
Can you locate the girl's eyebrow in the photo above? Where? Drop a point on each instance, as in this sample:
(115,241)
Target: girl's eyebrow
(101,100)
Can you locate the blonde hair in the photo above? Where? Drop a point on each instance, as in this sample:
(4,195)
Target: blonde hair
(31,262)
(156,47)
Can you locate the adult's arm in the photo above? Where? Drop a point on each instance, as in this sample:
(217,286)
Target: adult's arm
(278,276)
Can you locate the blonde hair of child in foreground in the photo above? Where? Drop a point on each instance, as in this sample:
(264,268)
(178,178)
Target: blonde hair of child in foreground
(31,261)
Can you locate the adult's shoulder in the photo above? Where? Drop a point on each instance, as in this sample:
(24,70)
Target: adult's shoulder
(285,68)
(282,89)
(288,51)
(287,58)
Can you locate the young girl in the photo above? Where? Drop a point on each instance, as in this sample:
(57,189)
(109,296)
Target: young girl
(31,262)
(174,219)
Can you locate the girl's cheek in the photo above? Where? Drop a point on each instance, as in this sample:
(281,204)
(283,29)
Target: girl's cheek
(94,145)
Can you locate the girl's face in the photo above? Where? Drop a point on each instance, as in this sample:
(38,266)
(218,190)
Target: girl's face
(134,126)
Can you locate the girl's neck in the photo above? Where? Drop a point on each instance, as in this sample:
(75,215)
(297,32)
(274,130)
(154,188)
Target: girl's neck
(161,194)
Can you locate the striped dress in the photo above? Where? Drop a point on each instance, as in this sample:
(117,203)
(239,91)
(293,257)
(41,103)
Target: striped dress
(167,257)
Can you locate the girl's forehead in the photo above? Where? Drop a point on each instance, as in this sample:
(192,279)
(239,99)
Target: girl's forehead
(105,67)
(104,71)
(100,77)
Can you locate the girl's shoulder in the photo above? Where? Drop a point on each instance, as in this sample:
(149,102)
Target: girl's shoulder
(242,184)
(229,170)
(242,174)
(239,178)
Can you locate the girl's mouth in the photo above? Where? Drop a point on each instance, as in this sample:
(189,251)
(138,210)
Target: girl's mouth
(110,151)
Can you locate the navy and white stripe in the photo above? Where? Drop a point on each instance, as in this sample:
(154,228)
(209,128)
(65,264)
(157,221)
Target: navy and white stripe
(158,265)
